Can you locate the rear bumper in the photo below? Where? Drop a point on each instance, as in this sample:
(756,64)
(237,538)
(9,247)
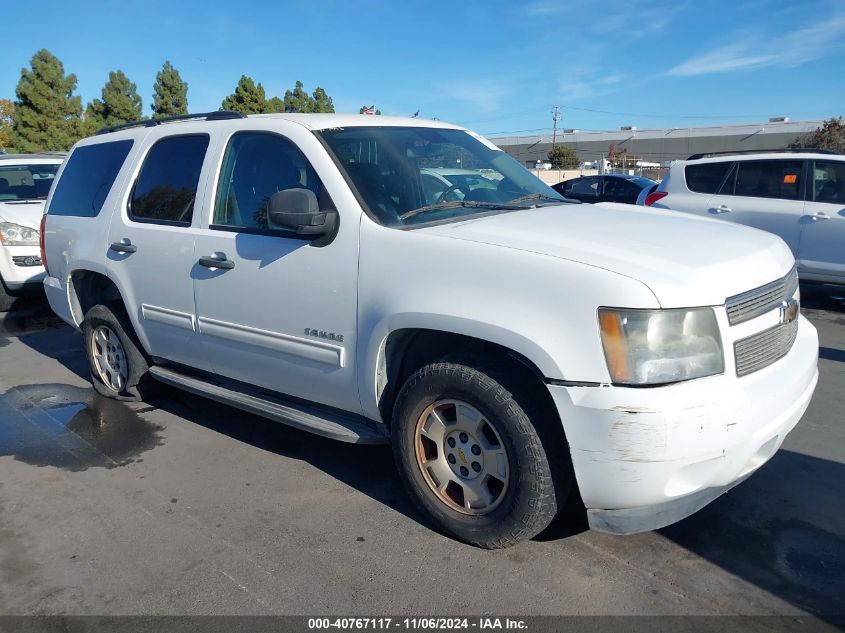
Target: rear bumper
(645,458)
(57,297)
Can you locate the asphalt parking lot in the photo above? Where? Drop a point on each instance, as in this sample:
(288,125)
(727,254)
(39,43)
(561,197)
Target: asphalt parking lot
(184,506)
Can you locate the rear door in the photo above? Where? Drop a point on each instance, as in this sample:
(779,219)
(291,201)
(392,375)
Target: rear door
(821,252)
(702,181)
(151,245)
(765,194)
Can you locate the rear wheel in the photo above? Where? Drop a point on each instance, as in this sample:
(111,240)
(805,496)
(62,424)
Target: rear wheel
(119,369)
(471,456)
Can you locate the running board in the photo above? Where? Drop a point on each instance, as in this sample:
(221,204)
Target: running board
(328,423)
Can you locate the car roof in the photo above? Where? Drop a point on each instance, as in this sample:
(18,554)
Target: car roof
(792,155)
(42,156)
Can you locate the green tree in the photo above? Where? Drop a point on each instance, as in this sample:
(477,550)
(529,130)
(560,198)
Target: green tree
(120,103)
(47,115)
(321,102)
(7,109)
(297,100)
(274,105)
(365,108)
(563,157)
(170,93)
(248,97)
(830,135)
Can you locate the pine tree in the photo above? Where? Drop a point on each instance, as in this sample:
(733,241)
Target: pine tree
(120,103)
(47,114)
(248,97)
(321,102)
(170,93)
(297,100)
(274,104)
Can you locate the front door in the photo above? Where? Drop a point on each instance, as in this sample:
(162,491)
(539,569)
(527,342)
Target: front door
(151,246)
(274,309)
(765,194)
(822,249)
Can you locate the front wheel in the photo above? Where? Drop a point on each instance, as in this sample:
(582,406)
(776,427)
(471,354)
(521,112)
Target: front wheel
(471,457)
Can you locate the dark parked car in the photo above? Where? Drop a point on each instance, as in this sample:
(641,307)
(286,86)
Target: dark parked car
(607,188)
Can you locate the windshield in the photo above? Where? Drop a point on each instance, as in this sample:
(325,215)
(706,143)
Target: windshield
(409,175)
(26,182)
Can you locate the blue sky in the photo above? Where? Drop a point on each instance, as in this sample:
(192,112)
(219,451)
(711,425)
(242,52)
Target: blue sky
(497,67)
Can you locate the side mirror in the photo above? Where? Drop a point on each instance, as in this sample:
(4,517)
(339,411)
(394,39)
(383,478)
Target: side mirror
(298,210)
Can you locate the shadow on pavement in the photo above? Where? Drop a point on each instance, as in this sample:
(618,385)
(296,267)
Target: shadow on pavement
(782,530)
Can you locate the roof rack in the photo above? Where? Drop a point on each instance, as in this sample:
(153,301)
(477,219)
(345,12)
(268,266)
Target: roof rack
(217,115)
(787,150)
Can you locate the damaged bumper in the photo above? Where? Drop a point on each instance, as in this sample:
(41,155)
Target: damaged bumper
(648,457)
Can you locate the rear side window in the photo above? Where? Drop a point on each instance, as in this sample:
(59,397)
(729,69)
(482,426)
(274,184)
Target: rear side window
(706,177)
(769,179)
(167,185)
(87,179)
(584,187)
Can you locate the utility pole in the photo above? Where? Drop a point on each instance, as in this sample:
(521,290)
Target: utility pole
(555,119)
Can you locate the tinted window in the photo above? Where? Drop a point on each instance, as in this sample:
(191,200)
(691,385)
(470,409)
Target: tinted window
(829,182)
(706,177)
(769,179)
(256,166)
(619,187)
(87,179)
(584,187)
(167,185)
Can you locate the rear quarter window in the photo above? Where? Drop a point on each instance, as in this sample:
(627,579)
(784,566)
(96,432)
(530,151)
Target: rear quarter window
(706,177)
(87,179)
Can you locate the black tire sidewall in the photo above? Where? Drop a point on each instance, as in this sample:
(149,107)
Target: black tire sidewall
(529,502)
(117,321)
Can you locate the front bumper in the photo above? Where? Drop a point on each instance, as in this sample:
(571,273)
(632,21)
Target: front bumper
(20,266)
(647,457)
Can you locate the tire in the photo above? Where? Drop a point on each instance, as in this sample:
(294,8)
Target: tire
(122,348)
(525,496)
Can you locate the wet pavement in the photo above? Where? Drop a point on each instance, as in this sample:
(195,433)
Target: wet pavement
(181,505)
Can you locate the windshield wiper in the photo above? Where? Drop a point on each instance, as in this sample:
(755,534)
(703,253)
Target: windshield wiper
(539,196)
(456,204)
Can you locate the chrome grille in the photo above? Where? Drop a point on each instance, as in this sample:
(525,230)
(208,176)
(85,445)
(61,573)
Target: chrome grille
(747,305)
(762,349)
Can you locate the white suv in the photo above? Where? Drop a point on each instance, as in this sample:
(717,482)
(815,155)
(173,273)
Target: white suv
(511,345)
(798,195)
(25,181)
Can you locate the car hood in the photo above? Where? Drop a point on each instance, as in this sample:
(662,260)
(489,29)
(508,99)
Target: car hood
(685,260)
(23,213)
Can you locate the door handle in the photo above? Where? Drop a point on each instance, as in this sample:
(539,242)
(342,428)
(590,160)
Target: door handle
(817,217)
(720,209)
(124,246)
(212,261)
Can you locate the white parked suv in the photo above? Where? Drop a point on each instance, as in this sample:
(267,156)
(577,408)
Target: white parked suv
(513,347)
(796,194)
(25,181)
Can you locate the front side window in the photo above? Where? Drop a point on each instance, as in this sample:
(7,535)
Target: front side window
(829,182)
(166,189)
(87,179)
(406,176)
(26,182)
(769,179)
(255,166)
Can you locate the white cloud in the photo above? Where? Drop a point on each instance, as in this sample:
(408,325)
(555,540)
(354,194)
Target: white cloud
(586,83)
(752,52)
(486,98)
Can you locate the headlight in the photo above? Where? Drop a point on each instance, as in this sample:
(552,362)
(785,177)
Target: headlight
(652,347)
(17,235)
